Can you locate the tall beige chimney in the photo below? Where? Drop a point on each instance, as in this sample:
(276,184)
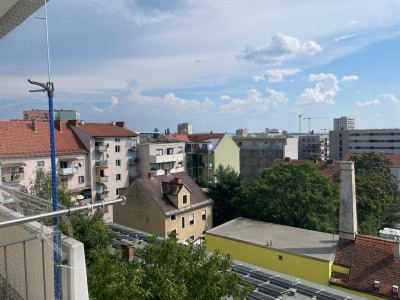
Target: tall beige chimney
(348,210)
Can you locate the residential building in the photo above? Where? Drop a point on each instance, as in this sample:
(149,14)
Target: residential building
(166,203)
(25,146)
(185,128)
(159,157)
(385,141)
(242,132)
(205,152)
(112,157)
(59,114)
(344,123)
(314,146)
(259,152)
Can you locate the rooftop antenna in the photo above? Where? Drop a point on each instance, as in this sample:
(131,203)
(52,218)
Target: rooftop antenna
(49,88)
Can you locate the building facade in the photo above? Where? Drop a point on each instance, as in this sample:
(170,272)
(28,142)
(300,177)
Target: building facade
(164,204)
(314,147)
(59,114)
(185,128)
(344,123)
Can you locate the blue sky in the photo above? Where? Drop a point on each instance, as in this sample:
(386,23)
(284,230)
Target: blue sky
(220,65)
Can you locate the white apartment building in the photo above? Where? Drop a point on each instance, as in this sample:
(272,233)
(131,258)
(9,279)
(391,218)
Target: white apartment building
(185,128)
(344,123)
(160,158)
(314,147)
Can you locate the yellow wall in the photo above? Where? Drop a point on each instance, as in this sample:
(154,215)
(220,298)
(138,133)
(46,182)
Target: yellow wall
(307,268)
(227,154)
(368,296)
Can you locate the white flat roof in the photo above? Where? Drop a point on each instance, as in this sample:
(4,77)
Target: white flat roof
(288,239)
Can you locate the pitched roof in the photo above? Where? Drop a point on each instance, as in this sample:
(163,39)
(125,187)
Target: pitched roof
(369,259)
(32,138)
(179,137)
(154,188)
(395,158)
(106,130)
(201,137)
(329,168)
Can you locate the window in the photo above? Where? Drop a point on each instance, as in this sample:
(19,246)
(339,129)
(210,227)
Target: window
(191,219)
(117,192)
(170,151)
(118,177)
(159,152)
(117,148)
(240,143)
(180,149)
(63,164)
(118,163)
(117,140)
(40,163)
(81,179)
(203,214)
(183,222)
(173,217)
(184,199)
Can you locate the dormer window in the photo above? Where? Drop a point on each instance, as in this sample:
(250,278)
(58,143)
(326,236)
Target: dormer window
(184,201)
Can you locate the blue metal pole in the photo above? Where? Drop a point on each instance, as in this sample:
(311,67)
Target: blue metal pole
(50,93)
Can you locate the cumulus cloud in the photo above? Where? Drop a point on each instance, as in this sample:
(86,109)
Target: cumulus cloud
(258,78)
(374,102)
(225,97)
(281,48)
(325,89)
(114,101)
(349,78)
(392,98)
(278,75)
(255,103)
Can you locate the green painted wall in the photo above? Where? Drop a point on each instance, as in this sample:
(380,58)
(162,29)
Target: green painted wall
(226,153)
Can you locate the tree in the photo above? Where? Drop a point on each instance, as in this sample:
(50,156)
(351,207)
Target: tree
(377,192)
(176,271)
(167,132)
(228,193)
(156,133)
(296,195)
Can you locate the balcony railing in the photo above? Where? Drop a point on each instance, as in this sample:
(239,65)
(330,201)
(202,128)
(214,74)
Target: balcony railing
(102,163)
(13,177)
(156,159)
(68,171)
(102,179)
(100,148)
(206,165)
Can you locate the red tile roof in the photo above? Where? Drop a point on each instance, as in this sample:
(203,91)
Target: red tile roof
(395,158)
(179,137)
(32,138)
(201,137)
(106,130)
(327,168)
(369,259)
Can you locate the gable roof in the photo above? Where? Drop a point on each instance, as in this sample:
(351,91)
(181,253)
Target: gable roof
(106,130)
(201,137)
(395,158)
(369,259)
(154,188)
(179,137)
(329,168)
(32,138)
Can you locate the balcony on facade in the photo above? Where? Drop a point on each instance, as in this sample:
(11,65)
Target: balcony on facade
(102,163)
(133,160)
(101,179)
(100,146)
(206,165)
(67,171)
(157,159)
(199,148)
(13,177)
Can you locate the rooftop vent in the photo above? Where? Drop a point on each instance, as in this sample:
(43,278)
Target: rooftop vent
(395,289)
(376,284)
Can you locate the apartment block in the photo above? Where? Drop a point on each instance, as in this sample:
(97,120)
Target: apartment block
(344,123)
(314,147)
(185,128)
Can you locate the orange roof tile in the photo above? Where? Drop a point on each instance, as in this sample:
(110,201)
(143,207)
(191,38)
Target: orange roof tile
(201,137)
(395,158)
(179,137)
(32,138)
(106,130)
(369,259)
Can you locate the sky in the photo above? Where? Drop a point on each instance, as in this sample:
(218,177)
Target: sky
(220,65)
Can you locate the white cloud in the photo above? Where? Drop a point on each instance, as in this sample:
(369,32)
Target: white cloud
(114,101)
(349,78)
(278,75)
(325,89)
(98,109)
(255,103)
(281,48)
(225,97)
(344,37)
(374,102)
(392,98)
(258,78)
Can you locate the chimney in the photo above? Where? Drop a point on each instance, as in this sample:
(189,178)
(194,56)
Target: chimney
(73,122)
(151,174)
(348,211)
(330,162)
(167,172)
(396,249)
(287,159)
(128,252)
(57,125)
(178,180)
(120,124)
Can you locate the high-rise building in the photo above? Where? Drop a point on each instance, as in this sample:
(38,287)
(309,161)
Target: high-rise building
(185,128)
(344,123)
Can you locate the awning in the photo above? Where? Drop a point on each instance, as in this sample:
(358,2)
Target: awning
(12,164)
(67,158)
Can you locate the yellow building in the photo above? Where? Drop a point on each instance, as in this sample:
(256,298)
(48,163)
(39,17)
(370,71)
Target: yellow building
(297,252)
(167,203)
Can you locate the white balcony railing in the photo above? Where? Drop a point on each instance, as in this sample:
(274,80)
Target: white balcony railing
(68,171)
(156,159)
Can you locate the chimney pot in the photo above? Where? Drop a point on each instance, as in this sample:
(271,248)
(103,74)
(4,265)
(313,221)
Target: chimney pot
(120,124)
(178,180)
